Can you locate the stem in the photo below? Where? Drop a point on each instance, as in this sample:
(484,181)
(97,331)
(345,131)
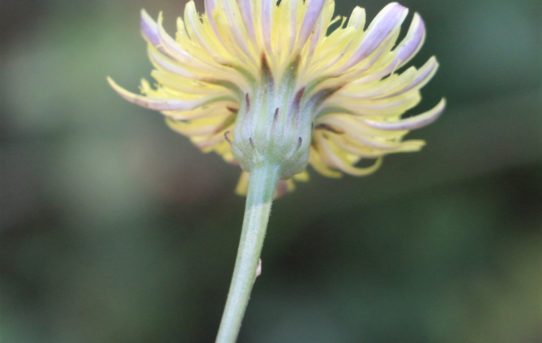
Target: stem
(262,184)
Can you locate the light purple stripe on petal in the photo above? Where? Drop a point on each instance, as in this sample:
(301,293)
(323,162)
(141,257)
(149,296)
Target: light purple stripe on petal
(355,132)
(155,103)
(314,11)
(375,57)
(315,39)
(266,23)
(293,22)
(413,123)
(380,28)
(231,10)
(155,35)
(246,13)
(412,42)
(377,74)
(423,76)
(149,29)
(209,7)
(166,64)
(169,45)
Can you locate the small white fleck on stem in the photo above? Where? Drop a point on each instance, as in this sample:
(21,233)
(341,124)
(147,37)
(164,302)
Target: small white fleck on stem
(262,184)
(259,269)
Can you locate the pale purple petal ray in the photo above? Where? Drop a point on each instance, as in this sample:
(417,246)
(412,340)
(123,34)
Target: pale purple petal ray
(293,22)
(156,103)
(423,76)
(210,7)
(155,35)
(314,11)
(231,10)
(245,7)
(169,45)
(149,29)
(380,28)
(266,23)
(416,122)
(357,132)
(168,65)
(412,42)
(375,57)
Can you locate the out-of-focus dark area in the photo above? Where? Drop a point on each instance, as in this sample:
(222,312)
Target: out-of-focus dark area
(115,229)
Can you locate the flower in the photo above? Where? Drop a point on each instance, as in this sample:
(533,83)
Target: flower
(289,83)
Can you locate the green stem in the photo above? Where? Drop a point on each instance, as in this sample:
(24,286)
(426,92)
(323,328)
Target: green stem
(262,184)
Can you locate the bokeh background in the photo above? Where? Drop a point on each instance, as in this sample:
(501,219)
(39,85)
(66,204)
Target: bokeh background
(115,229)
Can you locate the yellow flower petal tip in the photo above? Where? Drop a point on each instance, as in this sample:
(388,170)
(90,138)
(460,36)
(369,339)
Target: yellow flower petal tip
(255,81)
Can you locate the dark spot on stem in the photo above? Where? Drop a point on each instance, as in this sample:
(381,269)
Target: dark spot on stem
(247,100)
(299,142)
(276,115)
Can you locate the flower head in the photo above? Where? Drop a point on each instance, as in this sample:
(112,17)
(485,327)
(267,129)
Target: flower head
(288,83)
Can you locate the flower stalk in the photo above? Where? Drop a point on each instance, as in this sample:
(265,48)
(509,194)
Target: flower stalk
(262,184)
(275,86)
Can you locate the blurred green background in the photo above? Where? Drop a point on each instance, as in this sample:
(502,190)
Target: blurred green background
(115,229)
